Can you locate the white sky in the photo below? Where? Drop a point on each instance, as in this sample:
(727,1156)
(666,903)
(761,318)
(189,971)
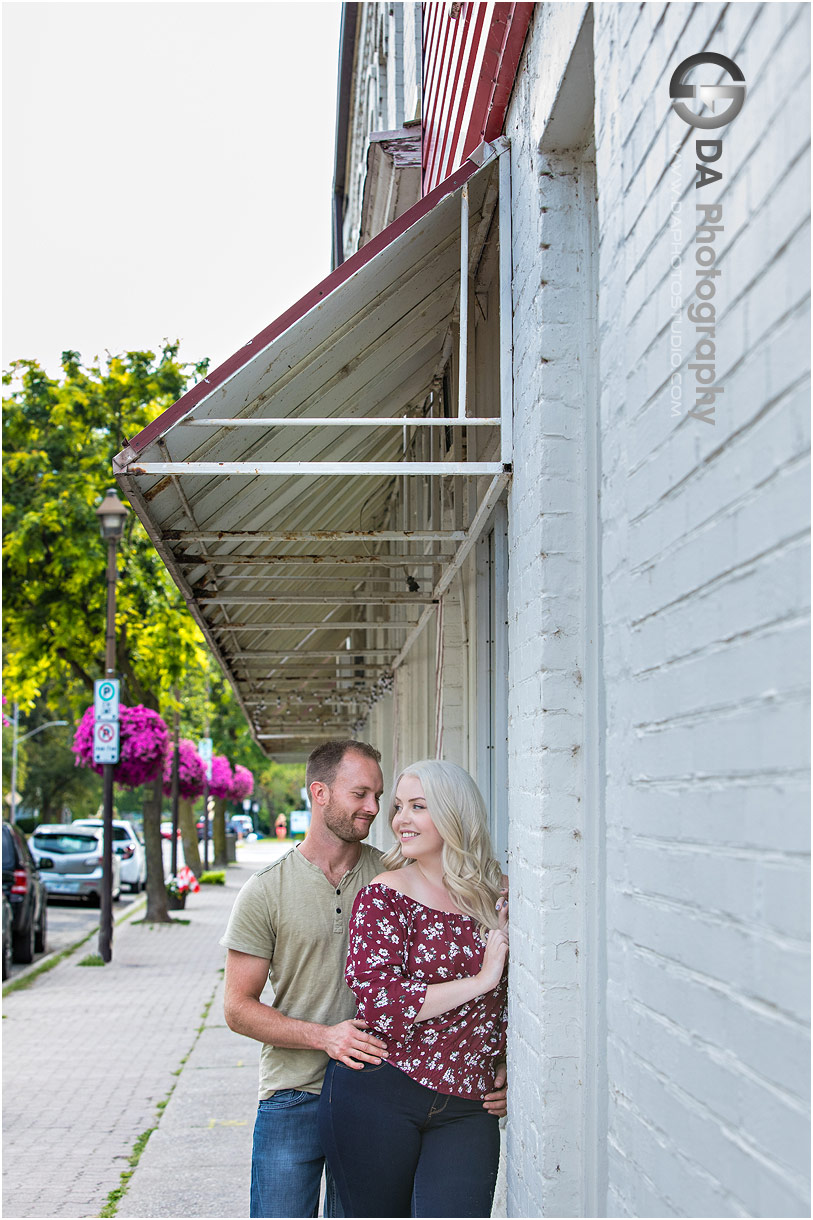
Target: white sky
(168,172)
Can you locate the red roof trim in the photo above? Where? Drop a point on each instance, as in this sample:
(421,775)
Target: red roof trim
(470,38)
(450,53)
(503,79)
(329,284)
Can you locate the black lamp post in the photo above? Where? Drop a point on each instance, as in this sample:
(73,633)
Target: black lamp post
(111,513)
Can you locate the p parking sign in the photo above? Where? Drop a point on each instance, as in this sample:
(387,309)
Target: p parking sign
(106,699)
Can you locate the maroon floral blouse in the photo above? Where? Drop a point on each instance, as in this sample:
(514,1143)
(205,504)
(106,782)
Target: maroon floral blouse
(397,948)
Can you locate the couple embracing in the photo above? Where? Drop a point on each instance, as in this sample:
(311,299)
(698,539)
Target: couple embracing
(383,1049)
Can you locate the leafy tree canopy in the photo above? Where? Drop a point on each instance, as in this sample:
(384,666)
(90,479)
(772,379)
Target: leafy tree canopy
(60,436)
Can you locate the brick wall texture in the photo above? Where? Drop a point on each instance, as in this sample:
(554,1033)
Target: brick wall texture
(658,623)
(659,818)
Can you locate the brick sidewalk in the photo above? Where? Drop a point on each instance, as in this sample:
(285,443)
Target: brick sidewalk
(89,1053)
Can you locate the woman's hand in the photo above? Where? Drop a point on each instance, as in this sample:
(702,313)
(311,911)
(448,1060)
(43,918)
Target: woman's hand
(495,956)
(502,910)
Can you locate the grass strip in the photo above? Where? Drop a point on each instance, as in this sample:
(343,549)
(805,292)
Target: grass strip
(50,962)
(115,1197)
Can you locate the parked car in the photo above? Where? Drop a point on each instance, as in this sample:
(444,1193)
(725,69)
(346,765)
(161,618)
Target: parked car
(241,825)
(7,921)
(24,889)
(71,861)
(129,847)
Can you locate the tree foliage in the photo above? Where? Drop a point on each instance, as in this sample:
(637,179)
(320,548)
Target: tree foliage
(48,780)
(279,786)
(58,443)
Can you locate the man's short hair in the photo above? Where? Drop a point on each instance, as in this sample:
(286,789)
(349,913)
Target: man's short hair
(325,760)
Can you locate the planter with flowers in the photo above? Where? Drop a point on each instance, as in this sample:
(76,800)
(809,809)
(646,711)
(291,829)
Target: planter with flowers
(185,882)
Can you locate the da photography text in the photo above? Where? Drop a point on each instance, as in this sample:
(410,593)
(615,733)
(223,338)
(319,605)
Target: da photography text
(709,227)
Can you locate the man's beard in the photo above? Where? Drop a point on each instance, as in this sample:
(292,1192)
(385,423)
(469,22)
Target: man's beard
(341,821)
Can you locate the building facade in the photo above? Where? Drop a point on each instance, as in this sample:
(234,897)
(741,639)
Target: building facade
(571,555)
(653,696)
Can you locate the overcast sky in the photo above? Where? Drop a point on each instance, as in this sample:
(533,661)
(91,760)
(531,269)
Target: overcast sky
(167,171)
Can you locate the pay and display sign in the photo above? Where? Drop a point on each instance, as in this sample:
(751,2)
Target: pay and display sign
(106,720)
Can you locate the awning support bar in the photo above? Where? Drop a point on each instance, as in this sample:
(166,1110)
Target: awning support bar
(462,372)
(313,536)
(474,531)
(366,625)
(332,421)
(310,599)
(506,312)
(323,469)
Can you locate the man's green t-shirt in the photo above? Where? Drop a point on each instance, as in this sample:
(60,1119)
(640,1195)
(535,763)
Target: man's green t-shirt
(290,914)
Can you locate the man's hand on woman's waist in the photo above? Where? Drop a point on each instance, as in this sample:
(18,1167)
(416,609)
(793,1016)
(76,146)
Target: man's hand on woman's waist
(350,1044)
(496,1102)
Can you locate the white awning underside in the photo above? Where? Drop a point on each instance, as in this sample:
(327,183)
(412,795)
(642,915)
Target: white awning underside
(301,555)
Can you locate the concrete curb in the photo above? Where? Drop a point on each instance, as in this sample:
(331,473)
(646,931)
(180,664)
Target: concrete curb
(37,966)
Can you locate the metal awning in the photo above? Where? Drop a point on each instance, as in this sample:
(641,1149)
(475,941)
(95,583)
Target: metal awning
(314,497)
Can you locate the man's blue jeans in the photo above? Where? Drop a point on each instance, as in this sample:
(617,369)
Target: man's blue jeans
(287,1158)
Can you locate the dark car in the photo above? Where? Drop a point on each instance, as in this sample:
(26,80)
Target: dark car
(24,889)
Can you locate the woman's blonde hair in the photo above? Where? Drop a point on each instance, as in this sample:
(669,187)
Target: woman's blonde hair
(470,873)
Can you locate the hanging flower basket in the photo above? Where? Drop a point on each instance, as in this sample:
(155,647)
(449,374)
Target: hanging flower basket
(144,742)
(191,771)
(242,783)
(222,778)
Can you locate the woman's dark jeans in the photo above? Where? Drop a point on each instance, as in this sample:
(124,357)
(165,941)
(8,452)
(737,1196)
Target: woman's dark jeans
(397,1148)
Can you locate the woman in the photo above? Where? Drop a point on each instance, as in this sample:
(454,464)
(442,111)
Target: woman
(428,948)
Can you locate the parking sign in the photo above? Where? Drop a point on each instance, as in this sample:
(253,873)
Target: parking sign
(205,751)
(106,741)
(106,699)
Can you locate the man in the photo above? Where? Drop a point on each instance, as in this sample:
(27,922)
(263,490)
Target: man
(290,925)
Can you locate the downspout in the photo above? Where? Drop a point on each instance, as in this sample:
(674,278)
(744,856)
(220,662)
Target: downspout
(347,53)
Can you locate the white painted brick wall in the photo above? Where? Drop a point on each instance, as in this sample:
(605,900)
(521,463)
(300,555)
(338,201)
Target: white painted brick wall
(697,1103)
(706,609)
(546,645)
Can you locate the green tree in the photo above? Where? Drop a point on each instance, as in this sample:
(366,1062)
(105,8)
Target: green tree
(280,785)
(59,438)
(52,782)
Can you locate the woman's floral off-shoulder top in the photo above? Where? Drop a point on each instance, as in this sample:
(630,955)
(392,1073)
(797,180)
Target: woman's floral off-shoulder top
(397,948)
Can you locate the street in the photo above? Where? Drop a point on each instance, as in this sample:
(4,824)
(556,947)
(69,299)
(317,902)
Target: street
(69,920)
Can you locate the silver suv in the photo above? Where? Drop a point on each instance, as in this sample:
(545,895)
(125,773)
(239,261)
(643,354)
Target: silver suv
(70,862)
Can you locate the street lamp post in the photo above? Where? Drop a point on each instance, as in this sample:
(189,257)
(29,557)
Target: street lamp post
(15,741)
(111,513)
